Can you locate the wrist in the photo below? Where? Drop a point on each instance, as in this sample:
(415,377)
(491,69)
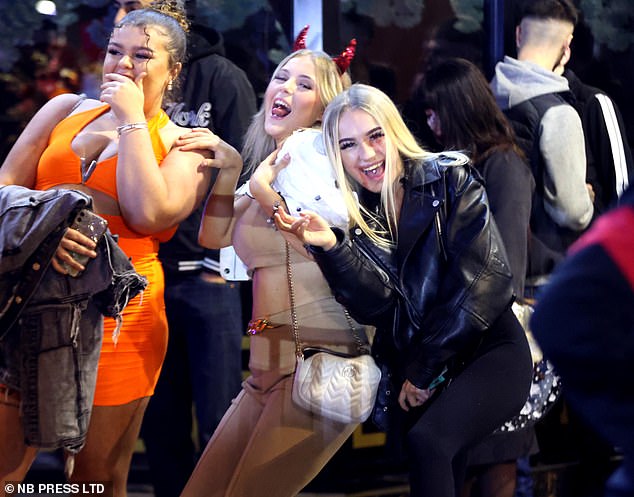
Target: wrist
(330,244)
(131,118)
(131,126)
(322,248)
(229,174)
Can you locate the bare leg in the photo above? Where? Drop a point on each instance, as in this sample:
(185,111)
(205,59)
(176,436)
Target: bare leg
(112,435)
(15,457)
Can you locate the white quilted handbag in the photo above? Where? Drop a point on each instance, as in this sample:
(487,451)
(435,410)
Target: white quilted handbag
(337,387)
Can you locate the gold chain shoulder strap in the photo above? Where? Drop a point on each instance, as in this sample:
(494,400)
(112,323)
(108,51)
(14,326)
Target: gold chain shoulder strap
(294,322)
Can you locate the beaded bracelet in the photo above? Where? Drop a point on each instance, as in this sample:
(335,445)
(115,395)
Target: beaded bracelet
(130,126)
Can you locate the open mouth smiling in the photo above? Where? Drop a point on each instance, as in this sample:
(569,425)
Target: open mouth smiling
(374,170)
(280,108)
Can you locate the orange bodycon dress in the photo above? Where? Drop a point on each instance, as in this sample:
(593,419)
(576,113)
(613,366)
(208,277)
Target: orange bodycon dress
(128,370)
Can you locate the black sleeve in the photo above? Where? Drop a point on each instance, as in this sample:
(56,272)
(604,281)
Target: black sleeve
(509,185)
(610,162)
(233,103)
(356,282)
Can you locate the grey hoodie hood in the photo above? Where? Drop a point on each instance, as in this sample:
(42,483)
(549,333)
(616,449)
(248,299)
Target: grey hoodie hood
(516,81)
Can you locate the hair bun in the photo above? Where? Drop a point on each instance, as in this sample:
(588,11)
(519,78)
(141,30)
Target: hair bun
(173,8)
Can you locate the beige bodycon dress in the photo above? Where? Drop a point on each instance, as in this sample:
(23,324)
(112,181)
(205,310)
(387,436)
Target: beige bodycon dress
(265,445)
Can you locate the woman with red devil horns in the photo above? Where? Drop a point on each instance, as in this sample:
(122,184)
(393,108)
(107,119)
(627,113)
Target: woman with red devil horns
(265,445)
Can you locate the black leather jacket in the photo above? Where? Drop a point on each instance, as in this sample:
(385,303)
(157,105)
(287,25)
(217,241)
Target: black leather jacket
(434,296)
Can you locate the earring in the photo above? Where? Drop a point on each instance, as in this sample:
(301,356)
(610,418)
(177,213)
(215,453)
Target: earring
(170,86)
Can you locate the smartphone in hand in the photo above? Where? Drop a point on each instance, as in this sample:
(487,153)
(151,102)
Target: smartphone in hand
(91,225)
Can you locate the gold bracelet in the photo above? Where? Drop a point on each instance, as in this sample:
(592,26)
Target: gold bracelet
(130,126)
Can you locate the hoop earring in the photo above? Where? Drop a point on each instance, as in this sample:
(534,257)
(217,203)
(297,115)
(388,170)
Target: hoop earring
(170,86)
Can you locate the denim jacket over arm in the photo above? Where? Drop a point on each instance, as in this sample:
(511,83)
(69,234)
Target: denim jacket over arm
(449,279)
(50,352)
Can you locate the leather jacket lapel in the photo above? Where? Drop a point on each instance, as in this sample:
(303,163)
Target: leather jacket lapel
(422,198)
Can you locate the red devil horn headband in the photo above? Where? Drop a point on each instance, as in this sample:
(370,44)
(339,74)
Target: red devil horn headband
(343,61)
(300,41)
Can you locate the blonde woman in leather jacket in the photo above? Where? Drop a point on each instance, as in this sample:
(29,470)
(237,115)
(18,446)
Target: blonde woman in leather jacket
(425,264)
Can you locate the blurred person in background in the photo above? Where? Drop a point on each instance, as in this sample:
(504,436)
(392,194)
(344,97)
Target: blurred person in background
(462,114)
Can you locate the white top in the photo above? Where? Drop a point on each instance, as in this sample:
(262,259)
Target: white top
(309,181)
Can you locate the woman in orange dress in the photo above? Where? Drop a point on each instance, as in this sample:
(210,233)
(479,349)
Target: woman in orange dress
(126,154)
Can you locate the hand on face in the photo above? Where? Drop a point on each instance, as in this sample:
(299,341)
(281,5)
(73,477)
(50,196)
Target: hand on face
(136,72)
(309,228)
(222,155)
(123,95)
(591,192)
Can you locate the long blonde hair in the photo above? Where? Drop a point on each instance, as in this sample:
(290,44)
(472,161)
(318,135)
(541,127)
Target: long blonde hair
(258,144)
(400,146)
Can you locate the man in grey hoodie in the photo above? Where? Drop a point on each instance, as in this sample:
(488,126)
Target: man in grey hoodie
(549,130)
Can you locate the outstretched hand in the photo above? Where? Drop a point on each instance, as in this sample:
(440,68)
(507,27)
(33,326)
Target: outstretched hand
(309,228)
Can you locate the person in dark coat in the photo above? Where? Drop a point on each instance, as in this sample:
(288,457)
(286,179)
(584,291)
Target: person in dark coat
(584,322)
(608,155)
(549,131)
